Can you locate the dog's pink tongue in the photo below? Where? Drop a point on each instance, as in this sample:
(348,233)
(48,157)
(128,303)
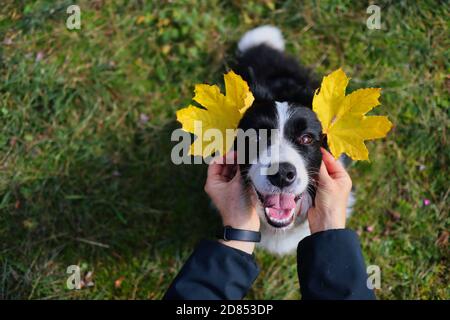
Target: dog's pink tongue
(280,206)
(282,201)
(287,201)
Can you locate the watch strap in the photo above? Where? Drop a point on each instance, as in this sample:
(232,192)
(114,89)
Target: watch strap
(230,233)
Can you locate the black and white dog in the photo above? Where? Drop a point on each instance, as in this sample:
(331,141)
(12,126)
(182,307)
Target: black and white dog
(283,92)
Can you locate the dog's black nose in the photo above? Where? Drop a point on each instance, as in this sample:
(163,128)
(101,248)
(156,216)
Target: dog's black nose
(285,175)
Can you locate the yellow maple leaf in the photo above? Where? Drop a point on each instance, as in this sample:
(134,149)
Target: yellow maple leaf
(222,113)
(344,119)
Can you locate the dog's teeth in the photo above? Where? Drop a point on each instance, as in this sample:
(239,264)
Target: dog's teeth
(280,221)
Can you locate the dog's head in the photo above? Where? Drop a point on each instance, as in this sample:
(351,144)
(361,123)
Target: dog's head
(284,172)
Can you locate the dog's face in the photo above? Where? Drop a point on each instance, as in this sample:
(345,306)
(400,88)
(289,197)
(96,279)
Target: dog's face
(284,172)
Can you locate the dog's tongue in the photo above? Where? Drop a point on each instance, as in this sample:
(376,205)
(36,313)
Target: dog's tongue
(282,201)
(279,206)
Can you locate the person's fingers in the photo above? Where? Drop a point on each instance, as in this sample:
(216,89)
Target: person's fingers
(237,175)
(222,168)
(334,167)
(215,168)
(229,171)
(231,157)
(228,158)
(323,174)
(328,159)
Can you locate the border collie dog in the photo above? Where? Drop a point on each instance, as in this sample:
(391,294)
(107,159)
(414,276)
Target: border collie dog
(283,92)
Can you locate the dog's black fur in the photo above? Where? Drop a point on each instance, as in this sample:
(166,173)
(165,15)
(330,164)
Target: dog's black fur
(274,76)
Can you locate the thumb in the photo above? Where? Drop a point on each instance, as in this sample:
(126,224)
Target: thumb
(324,177)
(237,176)
(215,171)
(334,168)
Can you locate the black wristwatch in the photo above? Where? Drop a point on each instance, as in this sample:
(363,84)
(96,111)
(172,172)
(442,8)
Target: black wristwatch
(230,233)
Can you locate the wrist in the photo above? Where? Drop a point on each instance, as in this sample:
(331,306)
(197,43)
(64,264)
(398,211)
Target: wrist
(324,226)
(247,247)
(243,225)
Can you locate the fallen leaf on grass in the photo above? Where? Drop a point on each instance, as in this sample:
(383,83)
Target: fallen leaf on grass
(39,56)
(387,228)
(13,141)
(165,49)
(143,118)
(87,281)
(118,282)
(140,20)
(29,224)
(394,215)
(442,240)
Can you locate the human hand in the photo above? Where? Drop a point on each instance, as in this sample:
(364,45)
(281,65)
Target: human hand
(225,188)
(332,195)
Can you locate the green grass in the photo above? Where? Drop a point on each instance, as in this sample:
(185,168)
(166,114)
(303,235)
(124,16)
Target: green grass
(83,180)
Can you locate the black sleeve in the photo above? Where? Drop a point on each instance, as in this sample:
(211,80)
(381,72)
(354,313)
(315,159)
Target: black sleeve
(214,271)
(331,266)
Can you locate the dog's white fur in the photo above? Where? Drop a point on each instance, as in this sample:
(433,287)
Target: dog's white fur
(280,150)
(268,35)
(285,240)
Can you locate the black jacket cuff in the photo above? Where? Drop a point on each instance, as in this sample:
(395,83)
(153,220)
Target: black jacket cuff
(331,266)
(214,271)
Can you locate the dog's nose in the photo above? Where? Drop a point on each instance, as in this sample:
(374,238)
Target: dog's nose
(285,175)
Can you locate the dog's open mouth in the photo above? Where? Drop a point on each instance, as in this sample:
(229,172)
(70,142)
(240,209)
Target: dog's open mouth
(279,208)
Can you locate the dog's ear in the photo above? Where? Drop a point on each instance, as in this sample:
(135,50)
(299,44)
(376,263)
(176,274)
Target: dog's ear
(259,91)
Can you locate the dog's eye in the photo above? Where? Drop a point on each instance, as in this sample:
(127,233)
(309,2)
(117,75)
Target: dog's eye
(305,139)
